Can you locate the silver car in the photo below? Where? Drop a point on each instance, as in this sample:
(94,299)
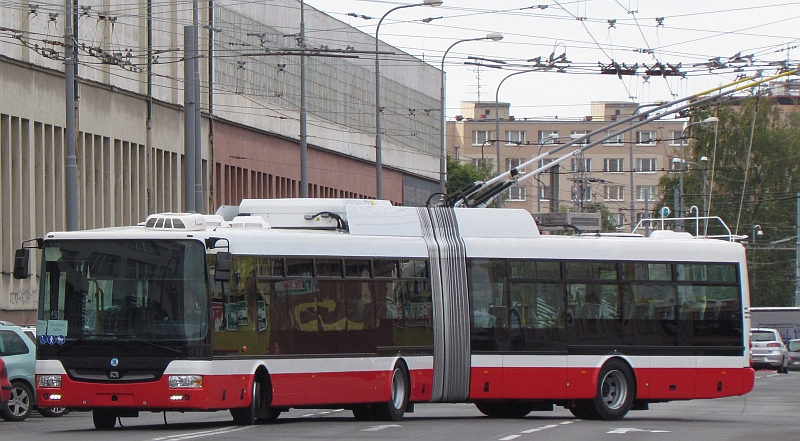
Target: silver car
(768,351)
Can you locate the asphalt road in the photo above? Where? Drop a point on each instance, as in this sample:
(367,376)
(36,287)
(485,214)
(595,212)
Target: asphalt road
(767,413)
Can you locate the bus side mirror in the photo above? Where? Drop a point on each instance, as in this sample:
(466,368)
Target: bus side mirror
(21,259)
(222,269)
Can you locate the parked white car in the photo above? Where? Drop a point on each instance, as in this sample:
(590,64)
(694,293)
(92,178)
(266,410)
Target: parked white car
(768,351)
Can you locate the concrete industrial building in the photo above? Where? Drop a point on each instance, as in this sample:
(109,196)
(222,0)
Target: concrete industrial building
(130,118)
(601,175)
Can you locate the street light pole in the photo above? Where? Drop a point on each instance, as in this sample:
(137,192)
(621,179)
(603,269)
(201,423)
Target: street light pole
(551,137)
(709,120)
(443,160)
(703,172)
(378,140)
(497,122)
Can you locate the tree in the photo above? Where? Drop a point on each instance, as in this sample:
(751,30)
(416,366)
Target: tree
(460,175)
(752,177)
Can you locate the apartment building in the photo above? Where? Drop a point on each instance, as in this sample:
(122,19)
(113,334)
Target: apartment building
(621,173)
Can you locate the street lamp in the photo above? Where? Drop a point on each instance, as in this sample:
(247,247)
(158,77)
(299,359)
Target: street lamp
(757,232)
(378,140)
(709,120)
(493,36)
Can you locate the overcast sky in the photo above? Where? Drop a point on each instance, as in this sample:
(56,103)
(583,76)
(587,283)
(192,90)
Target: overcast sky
(685,36)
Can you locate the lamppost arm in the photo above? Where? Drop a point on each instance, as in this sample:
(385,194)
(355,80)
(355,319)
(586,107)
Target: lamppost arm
(378,136)
(497,121)
(443,141)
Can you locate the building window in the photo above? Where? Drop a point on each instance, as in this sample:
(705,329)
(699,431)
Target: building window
(545,161)
(614,165)
(614,140)
(548,137)
(646,192)
(615,192)
(516,193)
(581,192)
(482,162)
(646,137)
(515,137)
(544,192)
(514,162)
(675,138)
(617,220)
(645,165)
(581,164)
(578,133)
(479,137)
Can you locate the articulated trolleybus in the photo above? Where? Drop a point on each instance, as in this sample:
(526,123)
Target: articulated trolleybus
(373,308)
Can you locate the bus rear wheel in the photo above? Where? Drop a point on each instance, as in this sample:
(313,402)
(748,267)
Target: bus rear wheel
(395,408)
(616,390)
(103,419)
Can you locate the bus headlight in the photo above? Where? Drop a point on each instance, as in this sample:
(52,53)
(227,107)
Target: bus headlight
(183,381)
(48,380)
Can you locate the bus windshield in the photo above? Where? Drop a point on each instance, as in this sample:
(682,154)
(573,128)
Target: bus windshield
(123,289)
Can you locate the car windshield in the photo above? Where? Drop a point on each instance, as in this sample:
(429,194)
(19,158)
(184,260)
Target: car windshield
(763,336)
(794,346)
(112,289)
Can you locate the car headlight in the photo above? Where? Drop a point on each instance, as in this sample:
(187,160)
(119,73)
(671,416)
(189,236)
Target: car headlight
(184,381)
(48,380)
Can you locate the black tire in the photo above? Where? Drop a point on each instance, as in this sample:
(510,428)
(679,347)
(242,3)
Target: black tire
(104,419)
(582,410)
(395,408)
(246,416)
(504,410)
(616,390)
(20,405)
(53,412)
(362,412)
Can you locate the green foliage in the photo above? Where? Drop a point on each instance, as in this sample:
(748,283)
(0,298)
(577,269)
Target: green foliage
(460,175)
(750,183)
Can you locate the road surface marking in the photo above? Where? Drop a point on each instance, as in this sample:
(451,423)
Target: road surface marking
(378,428)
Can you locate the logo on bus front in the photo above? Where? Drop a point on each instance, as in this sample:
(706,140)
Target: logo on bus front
(114,362)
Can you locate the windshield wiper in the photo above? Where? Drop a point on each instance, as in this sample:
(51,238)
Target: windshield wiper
(132,338)
(83,337)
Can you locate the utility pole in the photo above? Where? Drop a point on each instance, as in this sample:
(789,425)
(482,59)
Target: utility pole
(303,110)
(70,160)
(797,250)
(189,121)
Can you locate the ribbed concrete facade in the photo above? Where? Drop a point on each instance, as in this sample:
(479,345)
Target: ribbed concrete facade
(130,125)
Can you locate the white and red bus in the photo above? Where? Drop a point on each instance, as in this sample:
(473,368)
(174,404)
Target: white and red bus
(374,308)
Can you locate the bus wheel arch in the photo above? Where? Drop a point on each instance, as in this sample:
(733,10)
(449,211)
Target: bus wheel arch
(616,391)
(395,408)
(257,410)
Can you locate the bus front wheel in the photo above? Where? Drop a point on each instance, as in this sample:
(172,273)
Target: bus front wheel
(103,419)
(246,416)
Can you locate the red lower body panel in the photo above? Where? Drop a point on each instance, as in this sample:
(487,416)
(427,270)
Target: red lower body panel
(231,391)
(548,383)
